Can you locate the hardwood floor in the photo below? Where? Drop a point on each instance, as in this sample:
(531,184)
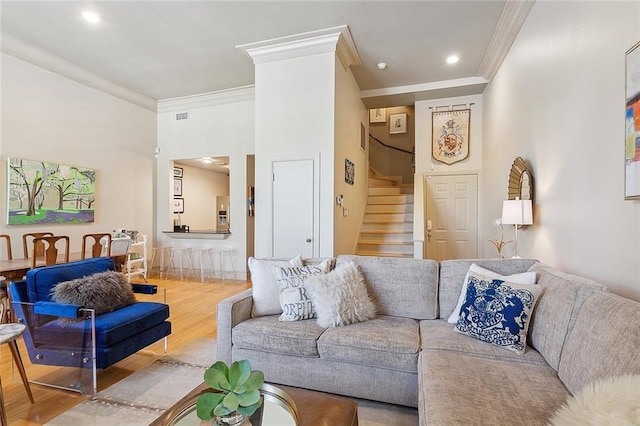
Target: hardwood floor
(192,315)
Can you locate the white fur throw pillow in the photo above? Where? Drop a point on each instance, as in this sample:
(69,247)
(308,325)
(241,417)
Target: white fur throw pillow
(103,291)
(606,402)
(340,297)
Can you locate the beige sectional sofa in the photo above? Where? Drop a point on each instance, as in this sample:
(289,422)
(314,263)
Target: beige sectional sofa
(409,355)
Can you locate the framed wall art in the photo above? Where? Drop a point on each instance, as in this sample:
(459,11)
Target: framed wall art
(363,137)
(41,192)
(177,172)
(178,205)
(177,187)
(632,125)
(349,171)
(397,123)
(377,115)
(450,135)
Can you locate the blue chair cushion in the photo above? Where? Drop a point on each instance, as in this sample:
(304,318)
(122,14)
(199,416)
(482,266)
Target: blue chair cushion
(111,328)
(40,281)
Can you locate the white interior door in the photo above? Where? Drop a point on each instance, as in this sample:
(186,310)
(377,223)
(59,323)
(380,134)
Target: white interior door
(294,209)
(452,217)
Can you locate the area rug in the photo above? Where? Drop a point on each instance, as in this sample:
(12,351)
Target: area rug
(143,396)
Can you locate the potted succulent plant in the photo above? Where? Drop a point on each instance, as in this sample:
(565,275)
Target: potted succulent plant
(237,393)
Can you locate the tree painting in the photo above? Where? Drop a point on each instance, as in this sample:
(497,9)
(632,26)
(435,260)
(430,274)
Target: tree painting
(42,192)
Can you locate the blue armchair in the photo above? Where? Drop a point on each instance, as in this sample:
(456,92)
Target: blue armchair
(65,335)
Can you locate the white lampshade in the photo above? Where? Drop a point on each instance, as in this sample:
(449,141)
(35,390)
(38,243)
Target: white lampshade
(517,212)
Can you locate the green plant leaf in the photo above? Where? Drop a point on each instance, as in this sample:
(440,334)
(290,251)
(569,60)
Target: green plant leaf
(249,398)
(239,372)
(240,390)
(221,410)
(206,403)
(231,401)
(217,375)
(247,411)
(255,380)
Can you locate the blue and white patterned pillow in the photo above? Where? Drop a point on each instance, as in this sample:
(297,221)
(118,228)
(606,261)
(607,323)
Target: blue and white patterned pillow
(498,312)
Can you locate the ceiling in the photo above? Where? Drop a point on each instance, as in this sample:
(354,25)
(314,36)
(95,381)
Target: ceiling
(170,49)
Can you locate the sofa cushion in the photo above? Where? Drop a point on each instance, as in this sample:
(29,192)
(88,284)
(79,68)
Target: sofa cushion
(111,327)
(452,273)
(265,289)
(557,310)
(40,281)
(439,335)
(267,334)
(399,286)
(340,297)
(461,389)
(498,312)
(604,341)
(384,342)
(520,278)
(294,299)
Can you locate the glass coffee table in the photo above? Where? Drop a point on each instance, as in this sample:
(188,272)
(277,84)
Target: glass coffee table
(278,409)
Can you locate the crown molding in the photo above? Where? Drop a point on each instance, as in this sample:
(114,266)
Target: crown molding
(513,17)
(227,96)
(336,39)
(39,57)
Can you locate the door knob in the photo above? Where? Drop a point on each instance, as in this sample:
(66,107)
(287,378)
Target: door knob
(308,240)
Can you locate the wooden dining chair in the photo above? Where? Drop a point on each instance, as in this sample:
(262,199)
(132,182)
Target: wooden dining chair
(7,238)
(50,249)
(97,247)
(38,250)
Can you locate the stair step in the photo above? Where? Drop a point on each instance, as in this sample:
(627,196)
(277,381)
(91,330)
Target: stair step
(386,190)
(387,217)
(383,237)
(387,227)
(378,247)
(377,182)
(389,208)
(390,199)
(383,254)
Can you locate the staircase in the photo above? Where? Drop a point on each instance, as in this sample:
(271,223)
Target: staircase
(387,227)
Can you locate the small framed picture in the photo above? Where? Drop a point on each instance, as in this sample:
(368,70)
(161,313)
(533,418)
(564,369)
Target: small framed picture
(363,137)
(349,171)
(177,187)
(397,123)
(377,115)
(178,205)
(177,172)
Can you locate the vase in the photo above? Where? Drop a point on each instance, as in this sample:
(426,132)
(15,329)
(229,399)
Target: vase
(233,419)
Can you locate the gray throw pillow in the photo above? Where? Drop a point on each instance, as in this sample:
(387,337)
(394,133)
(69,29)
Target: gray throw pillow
(104,292)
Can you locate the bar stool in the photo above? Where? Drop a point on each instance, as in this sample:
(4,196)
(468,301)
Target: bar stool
(223,253)
(205,257)
(180,258)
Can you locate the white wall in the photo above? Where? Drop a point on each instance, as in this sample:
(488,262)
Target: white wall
(294,120)
(215,130)
(350,113)
(558,102)
(200,188)
(51,118)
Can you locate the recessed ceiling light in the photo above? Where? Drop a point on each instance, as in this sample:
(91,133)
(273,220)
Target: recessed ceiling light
(207,160)
(453,59)
(382,65)
(90,16)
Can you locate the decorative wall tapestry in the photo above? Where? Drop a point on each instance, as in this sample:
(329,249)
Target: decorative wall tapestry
(40,192)
(632,127)
(450,135)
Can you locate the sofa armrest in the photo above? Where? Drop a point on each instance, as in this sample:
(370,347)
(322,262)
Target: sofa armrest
(57,309)
(231,311)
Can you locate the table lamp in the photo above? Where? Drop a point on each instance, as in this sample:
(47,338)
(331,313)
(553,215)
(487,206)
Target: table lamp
(517,212)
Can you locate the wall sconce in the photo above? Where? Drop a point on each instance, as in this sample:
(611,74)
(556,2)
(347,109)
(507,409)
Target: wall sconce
(517,212)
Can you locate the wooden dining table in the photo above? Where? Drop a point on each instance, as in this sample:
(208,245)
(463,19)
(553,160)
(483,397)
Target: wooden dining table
(15,269)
